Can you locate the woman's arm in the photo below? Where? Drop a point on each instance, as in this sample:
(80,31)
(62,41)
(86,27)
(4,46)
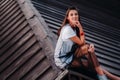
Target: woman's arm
(82,35)
(79,40)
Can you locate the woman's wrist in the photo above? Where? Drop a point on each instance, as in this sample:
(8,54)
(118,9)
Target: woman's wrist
(82,33)
(80,28)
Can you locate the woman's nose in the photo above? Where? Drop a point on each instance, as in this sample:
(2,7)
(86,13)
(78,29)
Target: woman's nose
(73,15)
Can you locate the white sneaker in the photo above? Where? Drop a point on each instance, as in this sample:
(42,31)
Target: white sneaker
(102,77)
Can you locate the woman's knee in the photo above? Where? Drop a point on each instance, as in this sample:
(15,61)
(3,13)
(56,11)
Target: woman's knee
(75,63)
(91,48)
(85,63)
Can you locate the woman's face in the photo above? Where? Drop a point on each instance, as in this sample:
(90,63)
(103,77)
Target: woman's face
(73,17)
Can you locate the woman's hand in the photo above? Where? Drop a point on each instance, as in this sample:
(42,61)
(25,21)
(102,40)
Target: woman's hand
(91,48)
(77,23)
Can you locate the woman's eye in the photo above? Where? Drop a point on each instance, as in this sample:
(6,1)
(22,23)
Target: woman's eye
(76,14)
(71,14)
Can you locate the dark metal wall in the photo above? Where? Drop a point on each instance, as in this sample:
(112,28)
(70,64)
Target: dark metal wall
(110,7)
(104,36)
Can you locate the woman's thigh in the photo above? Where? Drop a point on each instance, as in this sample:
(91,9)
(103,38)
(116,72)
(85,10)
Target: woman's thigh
(77,63)
(81,51)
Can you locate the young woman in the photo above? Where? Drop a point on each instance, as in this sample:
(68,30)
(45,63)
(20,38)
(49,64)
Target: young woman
(71,45)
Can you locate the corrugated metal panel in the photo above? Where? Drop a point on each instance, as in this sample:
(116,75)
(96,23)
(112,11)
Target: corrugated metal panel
(24,48)
(105,37)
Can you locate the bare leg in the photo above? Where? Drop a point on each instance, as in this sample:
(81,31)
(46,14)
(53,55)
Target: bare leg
(92,58)
(98,69)
(96,63)
(111,76)
(101,71)
(76,63)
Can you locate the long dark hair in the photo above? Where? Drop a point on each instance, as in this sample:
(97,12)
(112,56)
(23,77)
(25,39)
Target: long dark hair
(65,21)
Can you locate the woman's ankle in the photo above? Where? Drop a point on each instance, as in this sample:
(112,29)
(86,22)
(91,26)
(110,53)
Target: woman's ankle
(99,70)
